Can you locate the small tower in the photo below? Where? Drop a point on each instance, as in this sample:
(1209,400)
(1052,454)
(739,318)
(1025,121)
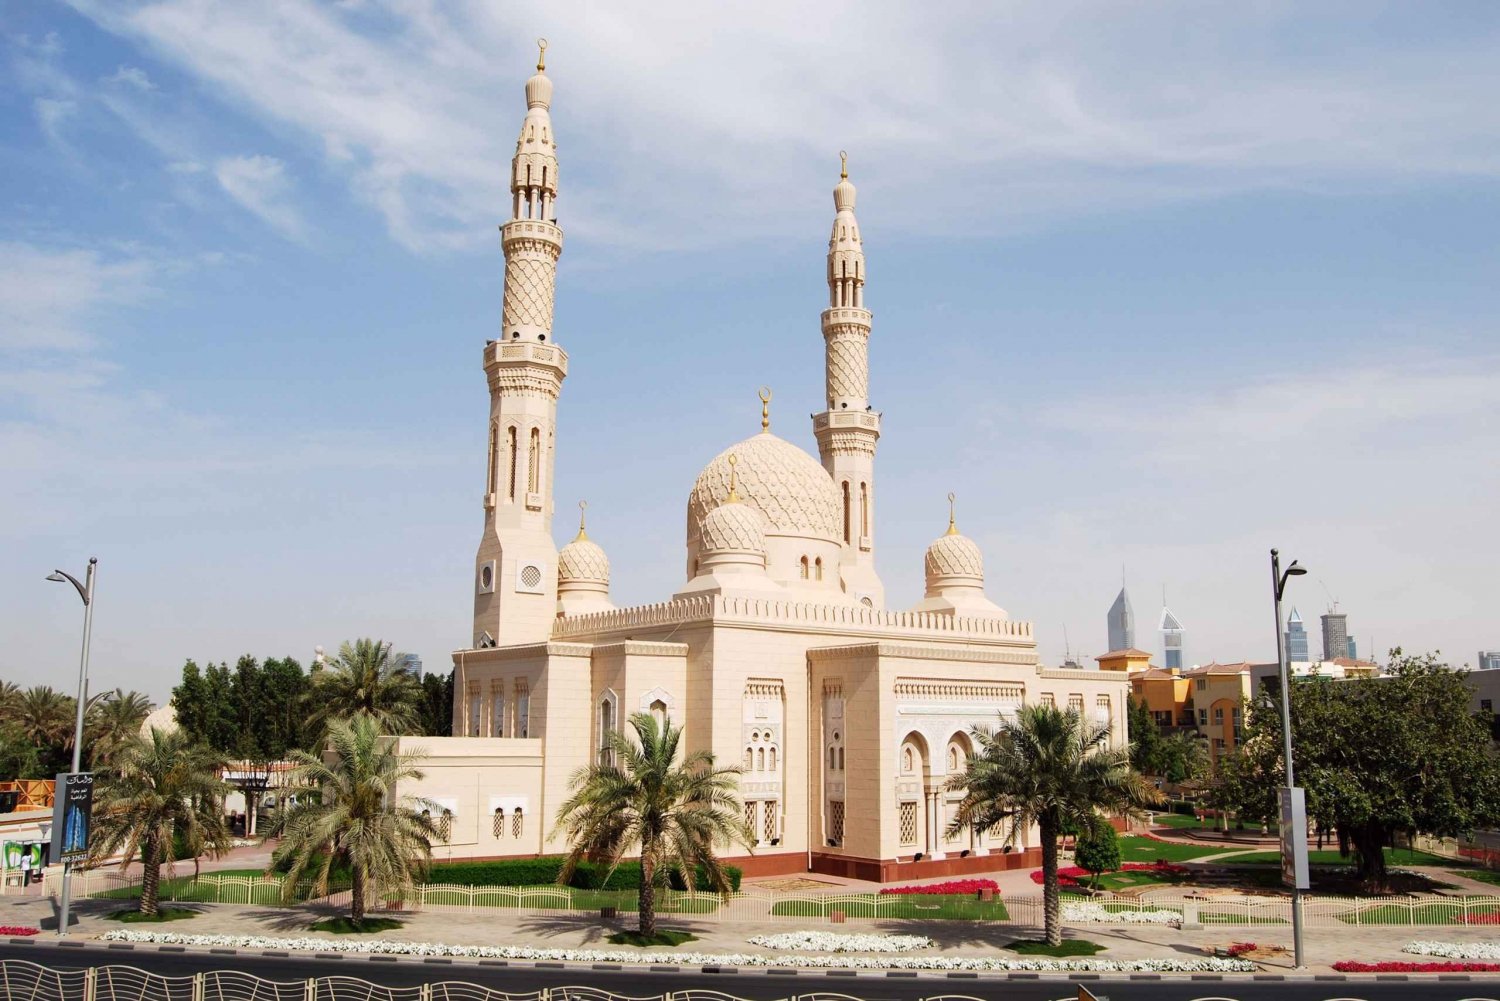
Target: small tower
(582,574)
(954,570)
(848,430)
(515,576)
(1121,623)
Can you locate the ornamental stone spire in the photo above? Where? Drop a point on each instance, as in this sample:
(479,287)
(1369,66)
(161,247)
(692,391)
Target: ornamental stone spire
(848,430)
(515,587)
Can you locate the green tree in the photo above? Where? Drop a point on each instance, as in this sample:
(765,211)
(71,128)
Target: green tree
(1098,849)
(112,721)
(47,719)
(639,798)
(1046,767)
(205,706)
(18,754)
(356,821)
(160,784)
(10,701)
(368,679)
(1403,753)
(1147,746)
(437,704)
(284,708)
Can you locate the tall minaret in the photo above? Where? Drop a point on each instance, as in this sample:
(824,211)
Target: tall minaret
(515,579)
(848,429)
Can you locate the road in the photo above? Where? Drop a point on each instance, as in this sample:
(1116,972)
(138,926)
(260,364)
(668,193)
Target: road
(756,984)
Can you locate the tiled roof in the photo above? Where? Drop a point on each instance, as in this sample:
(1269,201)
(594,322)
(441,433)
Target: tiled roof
(1131,652)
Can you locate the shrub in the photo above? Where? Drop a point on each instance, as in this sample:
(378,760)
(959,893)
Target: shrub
(950,887)
(545,870)
(1098,850)
(1460,966)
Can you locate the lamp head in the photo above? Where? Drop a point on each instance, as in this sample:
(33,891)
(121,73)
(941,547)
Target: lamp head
(57,575)
(1296,569)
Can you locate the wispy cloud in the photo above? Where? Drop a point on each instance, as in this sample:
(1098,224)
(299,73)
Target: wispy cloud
(49,297)
(261,186)
(132,76)
(703,114)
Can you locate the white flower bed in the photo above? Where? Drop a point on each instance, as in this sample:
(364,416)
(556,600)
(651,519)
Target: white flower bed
(1455,950)
(976,963)
(1084,913)
(827,941)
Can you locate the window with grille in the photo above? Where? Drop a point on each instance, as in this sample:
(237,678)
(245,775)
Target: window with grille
(750,818)
(836,821)
(768,821)
(497,826)
(1218,717)
(1203,717)
(445,826)
(908,818)
(516,821)
(523,710)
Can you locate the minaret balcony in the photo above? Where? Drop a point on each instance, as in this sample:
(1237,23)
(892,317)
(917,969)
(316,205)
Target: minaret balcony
(836,316)
(530,229)
(843,420)
(509,353)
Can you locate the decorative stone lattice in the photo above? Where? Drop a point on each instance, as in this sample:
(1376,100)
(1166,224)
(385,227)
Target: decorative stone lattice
(778,479)
(583,560)
(528,292)
(734,527)
(955,556)
(908,823)
(848,367)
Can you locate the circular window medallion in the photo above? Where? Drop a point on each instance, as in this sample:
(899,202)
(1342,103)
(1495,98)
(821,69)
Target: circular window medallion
(487,576)
(531,576)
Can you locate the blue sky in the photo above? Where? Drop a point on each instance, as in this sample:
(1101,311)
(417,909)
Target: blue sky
(1154,288)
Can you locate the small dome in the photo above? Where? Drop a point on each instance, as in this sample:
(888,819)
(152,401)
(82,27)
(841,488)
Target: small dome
(843,196)
(539,91)
(583,560)
(734,527)
(955,555)
(785,484)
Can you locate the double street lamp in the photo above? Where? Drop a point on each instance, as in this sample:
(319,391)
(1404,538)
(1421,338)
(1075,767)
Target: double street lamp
(1293,819)
(86,592)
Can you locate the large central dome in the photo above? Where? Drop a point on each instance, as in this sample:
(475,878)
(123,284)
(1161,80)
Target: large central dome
(777,478)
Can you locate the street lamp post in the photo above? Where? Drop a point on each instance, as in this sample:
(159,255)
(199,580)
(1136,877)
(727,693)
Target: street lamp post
(1279,578)
(86,592)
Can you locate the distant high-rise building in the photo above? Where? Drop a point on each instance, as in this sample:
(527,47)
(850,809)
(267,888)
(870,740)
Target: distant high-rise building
(1171,639)
(1121,623)
(1335,636)
(1489,660)
(1353,649)
(1296,640)
(413,664)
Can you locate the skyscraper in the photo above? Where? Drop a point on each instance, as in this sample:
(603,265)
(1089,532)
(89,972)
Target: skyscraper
(1335,635)
(1171,639)
(1296,640)
(1353,649)
(1121,623)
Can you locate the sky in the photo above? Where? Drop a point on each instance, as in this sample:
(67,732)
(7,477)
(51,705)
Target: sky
(1156,287)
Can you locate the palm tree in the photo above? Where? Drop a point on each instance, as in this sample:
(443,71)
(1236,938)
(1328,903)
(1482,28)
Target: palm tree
(368,679)
(46,717)
(161,783)
(10,701)
(638,798)
(1047,767)
(354,820)
(112,721)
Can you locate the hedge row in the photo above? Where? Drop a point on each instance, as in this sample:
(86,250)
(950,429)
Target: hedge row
(545,870)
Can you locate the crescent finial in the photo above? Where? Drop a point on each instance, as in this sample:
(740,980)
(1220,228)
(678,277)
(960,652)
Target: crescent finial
(765,408)
(541,55)
(952,519)
(583,507)
(843,166)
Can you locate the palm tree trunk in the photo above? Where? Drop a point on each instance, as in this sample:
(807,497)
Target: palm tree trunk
(357,897)
(648,894)
(150,876)
(1051,904)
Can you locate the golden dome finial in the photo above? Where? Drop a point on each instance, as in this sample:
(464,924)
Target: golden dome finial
(734,497)
(583,507)
(541,55)
(952,519)
(843,166)
(765,408)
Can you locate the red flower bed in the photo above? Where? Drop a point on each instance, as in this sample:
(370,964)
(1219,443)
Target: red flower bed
(17,931)
(951,886)
(1449,967)
(1238,949)
(1483,918)
(1069,876)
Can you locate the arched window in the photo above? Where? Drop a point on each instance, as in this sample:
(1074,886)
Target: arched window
(772,759)
(606,725)
(818,567)
(445,826)
(494,466)
(848,519)
(497,825)
(953,759)
(760,759)
(534,469)
(907,760)
(516,823)
(832,759)
(841,759)
(749,759)
(864,510)
(511,435)
(802,567)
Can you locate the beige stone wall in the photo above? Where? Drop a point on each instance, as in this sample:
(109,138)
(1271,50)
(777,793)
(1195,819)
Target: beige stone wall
(473,777)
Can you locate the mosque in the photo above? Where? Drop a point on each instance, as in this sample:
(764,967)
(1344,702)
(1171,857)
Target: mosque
(778,653)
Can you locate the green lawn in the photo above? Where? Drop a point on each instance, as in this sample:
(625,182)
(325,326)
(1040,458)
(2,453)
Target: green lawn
(1184,822)
(1134,848)
(1483,875)
(1237,918)
(1395,914)
(1393,857)
(897,906)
